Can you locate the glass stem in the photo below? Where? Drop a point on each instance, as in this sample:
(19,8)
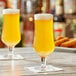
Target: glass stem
(11,51)
(43,65)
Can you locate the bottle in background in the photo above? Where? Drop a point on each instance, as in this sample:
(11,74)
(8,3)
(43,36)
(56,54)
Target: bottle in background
(28,21)
(59,20)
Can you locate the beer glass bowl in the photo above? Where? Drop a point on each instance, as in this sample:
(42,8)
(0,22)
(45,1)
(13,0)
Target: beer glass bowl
(11,32)
(44,41)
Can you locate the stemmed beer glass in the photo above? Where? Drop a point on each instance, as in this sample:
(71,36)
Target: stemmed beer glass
(44,40)
(11,32)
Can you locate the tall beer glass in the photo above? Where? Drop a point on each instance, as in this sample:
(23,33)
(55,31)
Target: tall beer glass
(11,31)
(44,39)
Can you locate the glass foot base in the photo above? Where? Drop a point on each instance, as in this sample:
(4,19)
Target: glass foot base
(11,57)
(48,68)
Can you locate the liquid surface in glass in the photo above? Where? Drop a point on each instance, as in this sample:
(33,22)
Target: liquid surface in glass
(44,38)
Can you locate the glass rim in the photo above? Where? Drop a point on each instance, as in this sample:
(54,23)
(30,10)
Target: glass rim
(43,16)
(10,11)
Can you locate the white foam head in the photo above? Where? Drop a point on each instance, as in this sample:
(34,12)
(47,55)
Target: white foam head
(10,11)
(43,16)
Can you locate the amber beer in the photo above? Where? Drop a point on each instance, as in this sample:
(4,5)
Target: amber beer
(11,28)
(44,38)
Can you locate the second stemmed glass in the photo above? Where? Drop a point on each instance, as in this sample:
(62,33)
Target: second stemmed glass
(44,41)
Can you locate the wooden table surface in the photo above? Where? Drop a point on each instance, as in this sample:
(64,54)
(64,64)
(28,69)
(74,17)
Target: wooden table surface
(65,60)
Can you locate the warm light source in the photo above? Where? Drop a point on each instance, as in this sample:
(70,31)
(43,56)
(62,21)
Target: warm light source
(30,19)
(70,11)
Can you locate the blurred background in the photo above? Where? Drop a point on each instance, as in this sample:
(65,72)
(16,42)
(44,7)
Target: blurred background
(64,12)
